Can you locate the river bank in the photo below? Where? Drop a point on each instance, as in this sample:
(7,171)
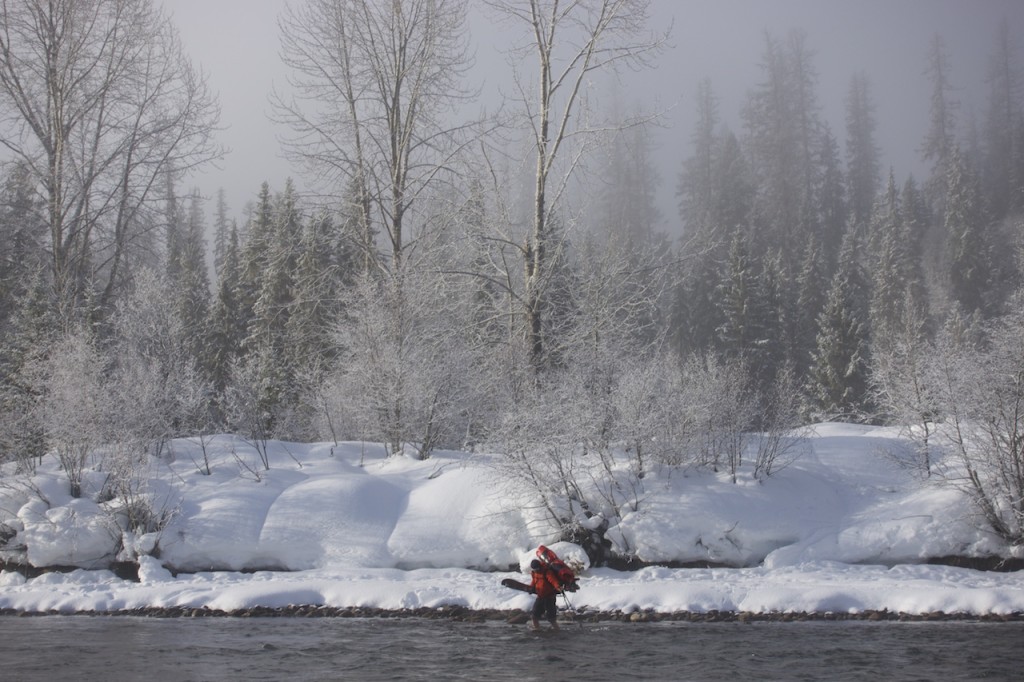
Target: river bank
(463,614)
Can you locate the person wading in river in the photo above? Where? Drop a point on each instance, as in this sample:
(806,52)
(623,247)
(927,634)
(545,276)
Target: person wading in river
(545,584)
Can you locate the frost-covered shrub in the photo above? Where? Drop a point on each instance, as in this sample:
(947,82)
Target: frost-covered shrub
(73,409)
(979,393)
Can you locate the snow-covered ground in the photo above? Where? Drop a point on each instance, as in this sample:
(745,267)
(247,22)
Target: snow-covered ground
(839,530)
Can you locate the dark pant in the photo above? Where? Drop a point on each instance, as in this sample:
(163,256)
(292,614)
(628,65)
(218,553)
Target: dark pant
(545,605)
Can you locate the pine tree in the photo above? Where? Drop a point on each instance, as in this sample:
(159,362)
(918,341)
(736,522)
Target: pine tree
(889,267)
(812,285)
(783,127)
(916,221)
(22,233)
(965,223)
(861,151)
(255,249)
(832,204)
(697,181)
(626,206)
(838,381)
(775,314)
(737,302)
(734,191)
(695,314)
(28,336)
(1000,140)
(221,232)
(228,321)
(807,122)
(192,287)
(309,337)
(940,137)
(267,336)
(768,119)
(1015,199)
(174,229)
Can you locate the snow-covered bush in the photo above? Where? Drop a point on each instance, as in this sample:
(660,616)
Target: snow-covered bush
(402,377)
(979,391)
(74,409)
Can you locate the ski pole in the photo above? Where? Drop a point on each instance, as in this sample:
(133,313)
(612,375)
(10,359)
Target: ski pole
(568,604)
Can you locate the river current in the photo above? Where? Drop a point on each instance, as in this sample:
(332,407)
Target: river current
(114,648)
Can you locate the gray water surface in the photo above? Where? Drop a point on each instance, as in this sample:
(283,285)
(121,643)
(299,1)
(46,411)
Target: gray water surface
(113,648)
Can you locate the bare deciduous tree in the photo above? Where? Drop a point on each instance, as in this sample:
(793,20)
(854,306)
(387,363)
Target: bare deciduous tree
(98,101)
(374,86)
(566,45)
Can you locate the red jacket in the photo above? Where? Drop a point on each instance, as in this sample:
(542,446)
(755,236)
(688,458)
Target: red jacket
(545,583)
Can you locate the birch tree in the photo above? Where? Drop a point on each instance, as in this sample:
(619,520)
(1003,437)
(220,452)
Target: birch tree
(563,46)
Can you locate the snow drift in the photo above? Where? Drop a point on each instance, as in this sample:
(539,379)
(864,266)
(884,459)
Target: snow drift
(323,506)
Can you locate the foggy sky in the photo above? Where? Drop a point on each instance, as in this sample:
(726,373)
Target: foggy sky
(235,42)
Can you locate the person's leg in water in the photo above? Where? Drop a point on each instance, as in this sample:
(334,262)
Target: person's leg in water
(552,608)
(538,610)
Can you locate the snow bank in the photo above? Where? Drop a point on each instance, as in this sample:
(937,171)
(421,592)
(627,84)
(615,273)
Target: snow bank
(357,528)
(825,587)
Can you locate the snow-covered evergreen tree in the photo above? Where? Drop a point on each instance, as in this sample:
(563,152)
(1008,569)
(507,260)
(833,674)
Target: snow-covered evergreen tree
(940,135)
(1000,140)
(812,286)
(862,163)
(221,231)
(738,301)
(838,380)
(966,224)
(888,266)
(191,288)
(228,322)
(267,339)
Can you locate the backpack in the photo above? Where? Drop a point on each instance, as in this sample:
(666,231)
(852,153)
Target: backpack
(566,578)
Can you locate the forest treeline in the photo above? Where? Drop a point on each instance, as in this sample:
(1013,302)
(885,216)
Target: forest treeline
(499,281)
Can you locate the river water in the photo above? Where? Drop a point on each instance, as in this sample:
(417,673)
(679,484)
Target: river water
(114,648)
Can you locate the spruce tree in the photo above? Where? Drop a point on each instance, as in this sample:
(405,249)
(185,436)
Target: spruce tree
(28,336)
(838,381)
(940,137)
(174,228)
(916,221)
(696,189)
(965,223)
(812,282)
(256,245)
(695,314)
(228,321)
(889,267)
(832,204)
(1000,140)
(737,302)
(221,232)
(309,337)
(192,288)
(267,336)
(22,234)
(782,122)
(775,316)
(861,152)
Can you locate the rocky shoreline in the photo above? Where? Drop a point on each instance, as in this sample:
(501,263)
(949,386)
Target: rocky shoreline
(464,614)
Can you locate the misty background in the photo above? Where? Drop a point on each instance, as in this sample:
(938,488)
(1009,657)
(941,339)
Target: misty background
(237,44)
